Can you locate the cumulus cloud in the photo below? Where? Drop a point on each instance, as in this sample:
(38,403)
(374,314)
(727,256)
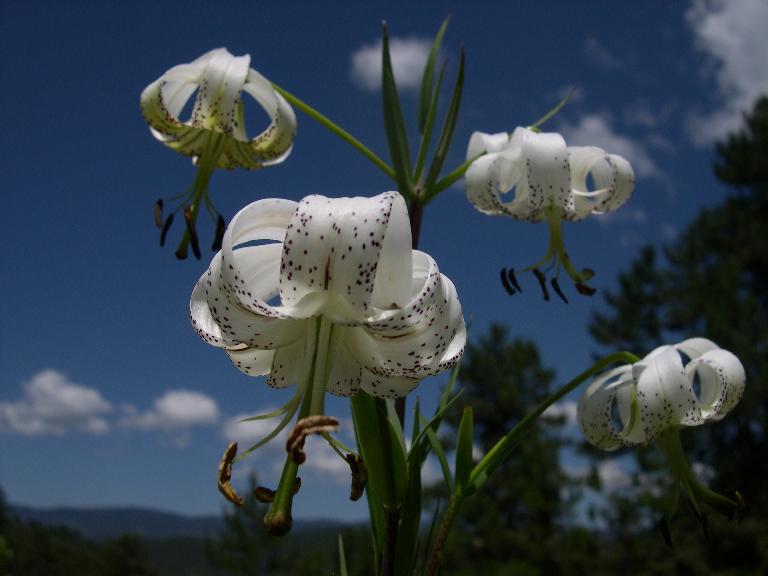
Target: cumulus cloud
(597,130)
(52,404)
(174,410)
(409,55)
(235,429)
(732,37)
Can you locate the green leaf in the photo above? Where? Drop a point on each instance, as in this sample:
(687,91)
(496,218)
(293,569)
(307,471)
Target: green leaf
(430,127)
(433,425)
(381,449)
(343,571)
(437,448)
(536,125)
(464,450)
(397,137)
(446,135)
(426,96)
(394,421)
(410,520)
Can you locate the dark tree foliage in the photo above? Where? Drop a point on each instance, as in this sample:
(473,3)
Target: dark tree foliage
(713,281)
(512,525)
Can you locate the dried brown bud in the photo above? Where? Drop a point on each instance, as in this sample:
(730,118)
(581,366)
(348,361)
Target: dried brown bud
(320,424)
(225,475)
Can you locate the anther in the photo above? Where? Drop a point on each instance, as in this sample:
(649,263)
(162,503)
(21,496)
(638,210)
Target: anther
(319,424)
(505,283)
(159,214)
(189,219)
(585,290)
(542,283)
(225,475)
(221,227)
(359,475)
(513,279)
(556,287)
(267,495)
(166,227)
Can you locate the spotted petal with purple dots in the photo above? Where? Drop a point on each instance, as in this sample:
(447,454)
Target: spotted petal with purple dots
(394,317)
(634,404)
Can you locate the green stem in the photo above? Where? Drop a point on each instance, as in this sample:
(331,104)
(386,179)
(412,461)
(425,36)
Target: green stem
(438,547)
(336,129)
(278,519)
(205,168)
(448,180)
(503,447)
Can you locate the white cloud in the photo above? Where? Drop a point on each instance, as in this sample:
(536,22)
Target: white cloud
(409,55)
(248,433)
(599,55)
(52,404)
(596,130)
(566,409)
(174,410)
(732,35)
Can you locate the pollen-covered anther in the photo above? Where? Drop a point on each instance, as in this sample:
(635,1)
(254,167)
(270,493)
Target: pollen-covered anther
(189,218)
(359,475)
(505,282)
(320,424)
(584,289)
(556,287)
(225,475)
(221,227)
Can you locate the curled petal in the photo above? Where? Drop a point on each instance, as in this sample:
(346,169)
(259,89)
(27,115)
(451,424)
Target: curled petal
(595,410)
(219,79)
(612,176)
(721,378)
(337,246)
(220,319)
(480,143)
(421,352)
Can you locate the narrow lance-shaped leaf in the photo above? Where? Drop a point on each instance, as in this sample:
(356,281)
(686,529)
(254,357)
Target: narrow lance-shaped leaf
(393,122)
(425,97)
(426,137)
(437,448)
(464,449)
(343,570)
(410,520)
(446,135)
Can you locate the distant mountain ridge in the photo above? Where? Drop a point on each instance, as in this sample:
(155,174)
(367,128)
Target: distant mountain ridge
(105,523)
(150,524)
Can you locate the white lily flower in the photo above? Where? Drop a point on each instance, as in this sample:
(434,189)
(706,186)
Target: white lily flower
(551,181)
(650,400)
(658,393)
(357,308)
(349,285)
(215,132)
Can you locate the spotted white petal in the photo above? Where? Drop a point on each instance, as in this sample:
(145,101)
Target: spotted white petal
(355,250)
(390,317)
(219,79)
(542,174)
(634,404)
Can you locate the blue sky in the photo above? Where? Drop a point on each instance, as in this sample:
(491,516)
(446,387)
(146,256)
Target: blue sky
(108,397)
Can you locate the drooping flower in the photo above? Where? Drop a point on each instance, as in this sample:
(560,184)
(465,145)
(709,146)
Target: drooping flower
(357,308)
(214,134)
(546,180)
(650,400)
